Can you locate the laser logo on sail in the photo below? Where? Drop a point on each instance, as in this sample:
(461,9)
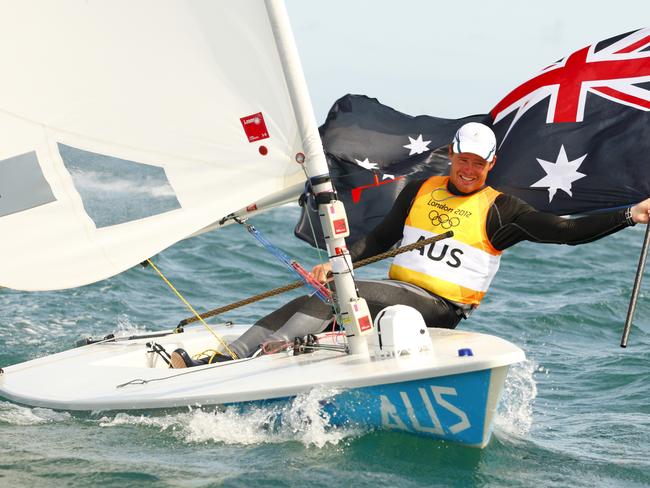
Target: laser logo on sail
(254,127)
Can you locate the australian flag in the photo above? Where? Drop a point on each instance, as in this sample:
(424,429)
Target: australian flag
(573,139)
(372,152)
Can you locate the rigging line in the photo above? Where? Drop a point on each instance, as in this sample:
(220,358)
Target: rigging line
(210,353)
(323,293)
(198,369)
(298,284)
(196,314)
(112,338)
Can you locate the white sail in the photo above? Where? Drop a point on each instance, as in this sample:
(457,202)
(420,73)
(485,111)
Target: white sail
(129,125)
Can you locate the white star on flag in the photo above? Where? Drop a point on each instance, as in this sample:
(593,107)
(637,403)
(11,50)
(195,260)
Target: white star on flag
(417,146)
(367,164)
(560,174)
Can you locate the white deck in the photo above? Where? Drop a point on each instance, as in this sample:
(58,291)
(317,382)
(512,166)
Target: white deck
(89,377)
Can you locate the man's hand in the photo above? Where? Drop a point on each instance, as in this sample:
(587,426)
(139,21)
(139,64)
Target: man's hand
(640,212)
(323,272)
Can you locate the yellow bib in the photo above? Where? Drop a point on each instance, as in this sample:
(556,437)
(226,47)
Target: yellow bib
(460,268)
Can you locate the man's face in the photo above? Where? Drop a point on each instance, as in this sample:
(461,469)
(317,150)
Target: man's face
(468,171)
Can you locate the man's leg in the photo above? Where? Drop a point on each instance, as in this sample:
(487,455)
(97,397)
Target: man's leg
(437,311)
(301,316)
(308,315)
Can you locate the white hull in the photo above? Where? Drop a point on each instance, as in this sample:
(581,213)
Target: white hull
(434,393)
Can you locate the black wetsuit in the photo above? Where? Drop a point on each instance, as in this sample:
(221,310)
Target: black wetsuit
(509,221)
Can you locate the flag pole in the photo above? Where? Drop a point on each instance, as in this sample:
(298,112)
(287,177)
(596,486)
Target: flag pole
(636,287)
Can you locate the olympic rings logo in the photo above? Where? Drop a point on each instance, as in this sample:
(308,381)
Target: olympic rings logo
(443,220)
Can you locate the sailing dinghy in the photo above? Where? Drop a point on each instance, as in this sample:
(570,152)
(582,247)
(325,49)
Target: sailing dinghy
(203,109)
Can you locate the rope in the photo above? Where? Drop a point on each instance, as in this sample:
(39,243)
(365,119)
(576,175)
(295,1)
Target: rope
(196,314)
(298,284)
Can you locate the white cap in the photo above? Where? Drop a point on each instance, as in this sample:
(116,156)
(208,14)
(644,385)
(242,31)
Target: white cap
(477,139)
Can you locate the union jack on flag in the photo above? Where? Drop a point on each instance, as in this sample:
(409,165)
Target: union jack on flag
(610,69)
(575,137)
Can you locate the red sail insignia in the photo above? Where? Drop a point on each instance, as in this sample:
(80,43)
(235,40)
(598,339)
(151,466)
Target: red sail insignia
(255,127)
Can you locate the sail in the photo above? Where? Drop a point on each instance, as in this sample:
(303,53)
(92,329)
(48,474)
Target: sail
(127,126)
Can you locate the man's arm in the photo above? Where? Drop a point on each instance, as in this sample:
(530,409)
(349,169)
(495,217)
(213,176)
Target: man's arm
(511,220)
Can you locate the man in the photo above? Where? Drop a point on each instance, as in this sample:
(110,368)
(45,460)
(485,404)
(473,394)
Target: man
(446,280)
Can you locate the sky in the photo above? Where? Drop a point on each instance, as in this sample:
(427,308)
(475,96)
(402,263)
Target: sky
(447,59)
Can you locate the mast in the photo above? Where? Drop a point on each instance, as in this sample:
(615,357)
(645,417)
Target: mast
(354,314)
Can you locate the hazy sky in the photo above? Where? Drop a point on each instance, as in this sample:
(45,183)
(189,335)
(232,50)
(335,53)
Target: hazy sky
(448,59)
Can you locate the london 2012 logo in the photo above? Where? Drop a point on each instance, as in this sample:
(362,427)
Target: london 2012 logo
(443,220)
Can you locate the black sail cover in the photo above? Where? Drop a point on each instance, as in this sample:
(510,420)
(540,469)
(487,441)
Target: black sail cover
(575,138)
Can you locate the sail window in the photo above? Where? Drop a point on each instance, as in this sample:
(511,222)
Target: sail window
(22,184)
(115,191)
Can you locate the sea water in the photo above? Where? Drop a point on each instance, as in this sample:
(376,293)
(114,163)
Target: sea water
(576,413)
